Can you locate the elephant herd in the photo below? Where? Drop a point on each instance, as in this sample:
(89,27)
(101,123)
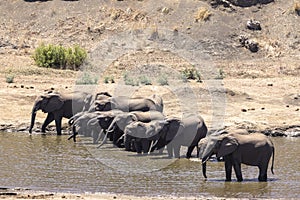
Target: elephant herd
(139,125)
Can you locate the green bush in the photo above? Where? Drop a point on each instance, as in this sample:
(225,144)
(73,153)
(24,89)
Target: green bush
(129,80)
(108,79)
(163,80)
(191,73)
(145,80)
(10,78)
(59,57)
(87,79)
(221,74)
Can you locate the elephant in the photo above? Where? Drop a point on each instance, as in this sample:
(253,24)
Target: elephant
(103,120)
(176,133)
(253,149)
(128,104)
(143,134)
(118,124)
(79,124)
(59,105)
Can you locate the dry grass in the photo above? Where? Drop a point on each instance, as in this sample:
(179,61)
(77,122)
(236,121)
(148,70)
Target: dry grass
(203,14)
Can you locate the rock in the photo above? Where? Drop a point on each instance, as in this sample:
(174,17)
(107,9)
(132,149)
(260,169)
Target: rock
(247,3)
(253,25)
(250,44)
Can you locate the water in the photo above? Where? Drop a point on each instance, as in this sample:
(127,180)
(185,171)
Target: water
(52,163)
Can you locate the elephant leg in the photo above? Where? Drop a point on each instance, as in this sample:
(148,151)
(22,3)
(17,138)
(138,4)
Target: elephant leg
(228,167)
(177,151)
(127,142)
(95,135)
(138,146)
(189,151)
(145,145)
(170,149)
(58,125)
(238,171)
(48,120)
(263,173)
(161,150)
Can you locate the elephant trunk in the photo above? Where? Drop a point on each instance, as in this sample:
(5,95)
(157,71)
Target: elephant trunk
(204,170)
(204,160)
(108,130)
(33,115)
(74,133)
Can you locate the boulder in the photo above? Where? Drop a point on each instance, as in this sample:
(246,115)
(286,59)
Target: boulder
(247,3)
(253,25)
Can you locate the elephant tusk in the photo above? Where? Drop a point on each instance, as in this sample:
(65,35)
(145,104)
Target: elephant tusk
(111,130)
(151,145)
(104,139)
(120,138)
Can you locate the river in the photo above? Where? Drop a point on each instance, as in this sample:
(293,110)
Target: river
(52,163)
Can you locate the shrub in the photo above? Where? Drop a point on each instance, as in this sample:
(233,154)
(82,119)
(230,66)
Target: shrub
(145,80)
(163,80)
(221,74)
(10,78)
(108,79)
(202,14)
(191,73)
(130,81)
(59,57)
(87,79)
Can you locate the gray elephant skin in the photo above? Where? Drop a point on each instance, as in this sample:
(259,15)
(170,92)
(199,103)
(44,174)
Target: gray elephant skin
(59,105)
(253,149)
(104,120)
(120,121)
(128,104)
(173,133)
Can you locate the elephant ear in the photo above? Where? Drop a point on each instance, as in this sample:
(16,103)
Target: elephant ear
(153,132)
(87,102)
(227,146)
(207,147)
(54,102)
(175,127)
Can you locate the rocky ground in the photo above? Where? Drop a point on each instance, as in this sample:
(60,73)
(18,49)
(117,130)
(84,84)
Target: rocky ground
(258,91)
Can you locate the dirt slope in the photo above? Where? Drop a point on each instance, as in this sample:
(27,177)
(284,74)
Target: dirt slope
(262,88)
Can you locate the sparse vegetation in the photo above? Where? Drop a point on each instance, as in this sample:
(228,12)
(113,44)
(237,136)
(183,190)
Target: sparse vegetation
(203,14)
(129,80)
(59,57)
(191,73)
(10,78)
(221,74)
(109,79)
(163,80)
(145,80)
(87,79)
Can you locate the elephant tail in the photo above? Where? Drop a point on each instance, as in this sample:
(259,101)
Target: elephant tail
(273,156)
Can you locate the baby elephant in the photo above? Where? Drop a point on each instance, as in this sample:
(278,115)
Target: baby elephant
(253,149)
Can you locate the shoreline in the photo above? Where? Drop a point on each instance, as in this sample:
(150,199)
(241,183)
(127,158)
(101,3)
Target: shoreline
(32,194)
(276,131)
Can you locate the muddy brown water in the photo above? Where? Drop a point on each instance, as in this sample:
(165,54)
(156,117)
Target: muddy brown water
(54,164)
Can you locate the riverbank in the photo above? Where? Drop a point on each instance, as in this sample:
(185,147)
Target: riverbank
(27,194)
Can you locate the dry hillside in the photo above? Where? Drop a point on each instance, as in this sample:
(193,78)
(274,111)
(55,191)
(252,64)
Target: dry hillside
(262,88)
